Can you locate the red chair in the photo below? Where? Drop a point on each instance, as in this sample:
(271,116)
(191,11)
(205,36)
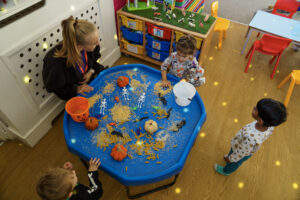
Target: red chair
(290,6)
(270,45)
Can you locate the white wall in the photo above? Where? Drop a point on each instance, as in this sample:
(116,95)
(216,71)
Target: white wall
(27,120)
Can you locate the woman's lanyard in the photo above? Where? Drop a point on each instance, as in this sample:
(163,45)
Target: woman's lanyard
(85,63)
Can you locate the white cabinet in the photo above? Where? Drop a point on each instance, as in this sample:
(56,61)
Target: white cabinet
(25,106)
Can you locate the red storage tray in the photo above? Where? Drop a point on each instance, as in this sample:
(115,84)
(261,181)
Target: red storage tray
(158,31)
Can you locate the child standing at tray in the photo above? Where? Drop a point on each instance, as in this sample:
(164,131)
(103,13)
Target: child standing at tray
(61,184)
(183,63)
(267,114)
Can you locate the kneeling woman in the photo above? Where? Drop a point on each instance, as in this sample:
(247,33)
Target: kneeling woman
(72,64)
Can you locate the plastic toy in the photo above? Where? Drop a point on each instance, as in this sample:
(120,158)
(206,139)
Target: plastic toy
(157,13)
(168,16)
(151,126)
(117,99)
(91,123)
(183,11)
(112,124)
(191,24)
(174,16)
(157,19)
(201,24)
(181,20)
(136,5)
(141,100)
(206,18)
(103,106)
(125,93)
(119,152)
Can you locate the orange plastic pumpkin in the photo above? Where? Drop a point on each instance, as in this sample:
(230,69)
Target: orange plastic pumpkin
(91,123)
(122,81)
(119,152)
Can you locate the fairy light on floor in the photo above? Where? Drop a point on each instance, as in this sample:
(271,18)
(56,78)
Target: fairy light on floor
(45,45)
(265,94)
(202,135)
(295,185)
(115,37)
(185,110)
(252,79)
(73,140)
(224,103)
(240,185)
(250,66)
(277,71)
(72,7)
(216,83)
(277,163)
(177,190)
(236,120)
(98,61)
(211,58)
(125,63)
(26,79)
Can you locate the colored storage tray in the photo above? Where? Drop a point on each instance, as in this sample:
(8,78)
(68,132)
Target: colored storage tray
(179,35)
(133,36)
(155,54)
(157,44)
(134,48)
(161,32)
(197,53)
(81,141)
(132,23)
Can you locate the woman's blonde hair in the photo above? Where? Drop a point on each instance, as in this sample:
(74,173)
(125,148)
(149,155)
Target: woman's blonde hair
(74,33)
(55,184)
(186,45)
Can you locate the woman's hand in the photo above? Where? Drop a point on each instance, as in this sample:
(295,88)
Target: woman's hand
(86,77)
(94,164)
(81,89)
(166,83)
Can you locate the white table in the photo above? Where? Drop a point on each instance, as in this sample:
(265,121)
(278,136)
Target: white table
(265,22)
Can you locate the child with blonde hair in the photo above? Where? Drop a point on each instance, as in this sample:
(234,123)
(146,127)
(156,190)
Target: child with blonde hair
(61,184)
(183,63)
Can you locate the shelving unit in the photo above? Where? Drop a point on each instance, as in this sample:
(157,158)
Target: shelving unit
(139,23)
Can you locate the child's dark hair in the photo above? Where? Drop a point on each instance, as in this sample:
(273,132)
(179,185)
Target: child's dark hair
(272,112)
(55,184)
(186,45)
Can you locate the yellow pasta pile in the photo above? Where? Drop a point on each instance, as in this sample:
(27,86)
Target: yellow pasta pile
(120,113)
(109,88)
(93,99)
(159,89)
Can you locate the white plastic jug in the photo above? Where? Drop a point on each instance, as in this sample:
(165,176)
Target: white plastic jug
(184,93)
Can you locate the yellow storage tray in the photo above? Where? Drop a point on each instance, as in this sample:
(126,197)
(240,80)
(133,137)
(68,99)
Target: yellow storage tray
(132,23)
(179,35)
(134,48)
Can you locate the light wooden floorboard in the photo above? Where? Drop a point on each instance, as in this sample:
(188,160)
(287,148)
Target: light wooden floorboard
(21,166)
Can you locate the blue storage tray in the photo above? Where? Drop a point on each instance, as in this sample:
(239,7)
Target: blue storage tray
(155,54)
(81,142)
(157,44)
(133,36)
(197,53)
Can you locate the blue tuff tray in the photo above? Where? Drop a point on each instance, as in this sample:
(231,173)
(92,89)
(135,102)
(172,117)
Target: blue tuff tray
(81,141)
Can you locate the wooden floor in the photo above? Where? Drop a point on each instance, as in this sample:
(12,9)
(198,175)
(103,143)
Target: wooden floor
(259,178)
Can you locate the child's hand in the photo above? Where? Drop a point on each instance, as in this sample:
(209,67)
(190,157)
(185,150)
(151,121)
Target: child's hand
(82,89)
(166,83)
(68,165)
(94,164)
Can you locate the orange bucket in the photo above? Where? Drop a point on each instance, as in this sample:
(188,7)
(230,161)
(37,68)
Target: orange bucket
(78,108)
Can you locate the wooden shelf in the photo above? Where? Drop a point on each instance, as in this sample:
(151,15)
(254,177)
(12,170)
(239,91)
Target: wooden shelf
(205,37)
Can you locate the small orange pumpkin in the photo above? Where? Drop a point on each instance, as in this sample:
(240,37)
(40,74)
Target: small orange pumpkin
(119,152)
(91,123)
(122,81)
